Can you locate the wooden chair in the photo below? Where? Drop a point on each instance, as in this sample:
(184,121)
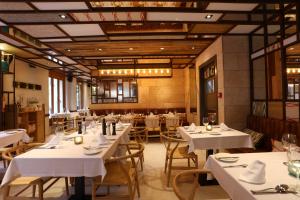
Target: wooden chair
(139,137)
(171,124)
(39,182)
(152,125)
(120,171)
(177,150)
(186,183)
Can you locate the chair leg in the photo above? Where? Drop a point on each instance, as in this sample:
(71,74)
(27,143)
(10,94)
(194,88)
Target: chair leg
(166,163)
(41,193)
(141,162)
(169,172)
(67,186)
(137,186)
(33,190)
(94,190)
(6,192)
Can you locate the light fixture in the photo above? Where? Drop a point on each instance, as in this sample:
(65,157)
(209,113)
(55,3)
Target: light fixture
(114,72)
(161,48)
(293,70)
(125,72)
(288,71)
(144,71)
(193,47)
(298,70)
(68,50)
(55,60)
(150,71)
(130,48)
(292,48)
(161,71)
(108,72)
(141,72)
(120,71)
(168,71)
(138,71)
(208,16)
(62,16)
(131,71)
(60,62)
(156,71)
(102,72)
(99,49)
(49,57)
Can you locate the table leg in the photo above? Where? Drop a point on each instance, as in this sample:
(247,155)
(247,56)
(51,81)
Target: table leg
(202,180)
(79,190)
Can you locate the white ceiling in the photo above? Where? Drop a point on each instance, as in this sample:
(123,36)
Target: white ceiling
(6,5)
(193,17)
(82,29)
(243,29)
(231,6)
(58,5)
(40,31)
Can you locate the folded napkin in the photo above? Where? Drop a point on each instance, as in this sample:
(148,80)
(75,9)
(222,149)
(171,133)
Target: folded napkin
(224,127)
(255,173)
(192,127)
(102,139)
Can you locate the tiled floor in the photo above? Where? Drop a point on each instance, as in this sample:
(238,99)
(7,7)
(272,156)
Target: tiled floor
(152,180)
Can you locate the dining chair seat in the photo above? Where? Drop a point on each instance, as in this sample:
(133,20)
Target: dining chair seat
(181,152)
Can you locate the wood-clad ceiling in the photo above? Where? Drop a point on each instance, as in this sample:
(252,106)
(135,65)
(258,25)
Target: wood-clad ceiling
(79,35)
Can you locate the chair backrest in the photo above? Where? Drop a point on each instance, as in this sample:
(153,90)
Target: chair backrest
(171,143)
(10,153)
(172,122)
(152,122)
(122,161)
(185,183)
(138,135)
(127,119)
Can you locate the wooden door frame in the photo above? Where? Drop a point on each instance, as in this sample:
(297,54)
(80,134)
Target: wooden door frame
(209,62)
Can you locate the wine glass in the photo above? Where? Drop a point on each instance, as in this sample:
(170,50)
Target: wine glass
(288,140)
(212,118)
(205,121)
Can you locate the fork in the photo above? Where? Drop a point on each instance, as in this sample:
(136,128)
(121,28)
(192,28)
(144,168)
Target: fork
(230,166)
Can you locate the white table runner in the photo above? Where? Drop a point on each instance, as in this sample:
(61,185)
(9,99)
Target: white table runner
(205,139)
(9,137)
(67,160)
(276,173)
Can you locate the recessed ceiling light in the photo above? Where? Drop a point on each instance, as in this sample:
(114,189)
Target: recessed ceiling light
(130,48)
(68,50)
(62,16)
(161,48)
(208,16)
(193,47)
(292,48)
(99,49)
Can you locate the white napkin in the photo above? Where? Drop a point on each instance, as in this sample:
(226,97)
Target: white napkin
(192,127)
(102,139)
(224,127)
(255,173)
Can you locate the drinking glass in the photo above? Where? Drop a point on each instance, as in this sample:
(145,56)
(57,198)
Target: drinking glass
(288,140)
(205,121)
(59,132)
(294,160)
(212,118)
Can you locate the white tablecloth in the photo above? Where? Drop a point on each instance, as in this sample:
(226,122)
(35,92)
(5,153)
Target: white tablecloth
(205,139)
(9,137)
(276,173)
(67,160)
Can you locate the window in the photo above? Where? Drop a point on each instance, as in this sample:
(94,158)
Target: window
(114,91)
(56,92)
(79,96)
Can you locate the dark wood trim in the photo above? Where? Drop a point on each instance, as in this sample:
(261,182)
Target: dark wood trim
(251,75)
(265,27)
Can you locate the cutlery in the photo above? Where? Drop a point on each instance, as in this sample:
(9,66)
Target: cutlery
(230,166)
(281,188)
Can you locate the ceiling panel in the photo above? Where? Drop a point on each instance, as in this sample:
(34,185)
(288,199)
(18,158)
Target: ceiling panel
(7,5)
(133,48)
(66,59)
(46,62)
(34,51)
(11,41)
(243,29)
(56,40)
(231,6)
(60,5)
(211,28)
(33,17)
(108,16)
(83,68)
(82,29)
(18,51)
(101,38)
(41,31)
(173,16)
(148,37)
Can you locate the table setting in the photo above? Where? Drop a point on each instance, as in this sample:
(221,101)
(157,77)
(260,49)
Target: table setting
(13,136)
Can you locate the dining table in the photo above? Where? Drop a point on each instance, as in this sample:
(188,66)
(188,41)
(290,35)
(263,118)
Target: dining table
(66,159)
(200,138)
(13,136)
(276,173)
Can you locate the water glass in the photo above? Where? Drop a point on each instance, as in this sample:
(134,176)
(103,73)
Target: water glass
(205,121)
(294,160)
(59,132)
(288,140)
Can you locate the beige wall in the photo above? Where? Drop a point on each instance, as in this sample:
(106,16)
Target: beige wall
(233,79)
(155,93)
(215,49)
(37,75)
